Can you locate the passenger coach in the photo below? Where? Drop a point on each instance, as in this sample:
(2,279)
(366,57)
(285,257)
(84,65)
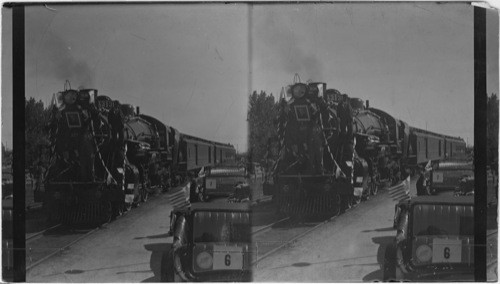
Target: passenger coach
(196,153)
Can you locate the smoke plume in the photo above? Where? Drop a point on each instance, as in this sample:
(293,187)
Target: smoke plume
(288,50)
(59,61)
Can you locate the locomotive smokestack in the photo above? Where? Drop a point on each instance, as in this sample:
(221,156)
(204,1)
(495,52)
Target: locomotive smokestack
(137,110)
(367,104)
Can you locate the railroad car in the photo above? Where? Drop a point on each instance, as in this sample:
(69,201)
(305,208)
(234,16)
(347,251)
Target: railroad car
(196,153)
(334,150)
(107,156)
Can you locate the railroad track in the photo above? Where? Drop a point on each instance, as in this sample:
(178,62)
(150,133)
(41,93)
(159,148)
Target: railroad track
(51,241)
(279,237)
(45,244)
(268,227)
(32,237)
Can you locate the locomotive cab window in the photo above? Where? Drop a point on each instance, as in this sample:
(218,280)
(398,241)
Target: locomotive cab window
(302,113)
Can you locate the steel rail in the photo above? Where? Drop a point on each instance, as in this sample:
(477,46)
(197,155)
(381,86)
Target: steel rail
(28,267)
(31,237)
(267,227)
(293,240)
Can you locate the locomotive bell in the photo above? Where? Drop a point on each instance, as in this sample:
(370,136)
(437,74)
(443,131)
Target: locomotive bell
(333,96)
(357,104)
(317,89)
(128,109)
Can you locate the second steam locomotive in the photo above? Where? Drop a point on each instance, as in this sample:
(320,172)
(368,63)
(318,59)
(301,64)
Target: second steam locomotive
(107,157)
(334,151)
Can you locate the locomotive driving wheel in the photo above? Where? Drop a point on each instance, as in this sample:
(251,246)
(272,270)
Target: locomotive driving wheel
(106,213)
(374,185)
(337,204)
(355,200)
(144,193)
(118,204)
(127,206)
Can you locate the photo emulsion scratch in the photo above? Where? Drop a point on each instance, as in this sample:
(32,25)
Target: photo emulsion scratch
(266,142)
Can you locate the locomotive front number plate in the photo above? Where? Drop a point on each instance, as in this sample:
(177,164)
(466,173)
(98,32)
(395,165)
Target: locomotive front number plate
(211,183)
(445,250)
(228,257)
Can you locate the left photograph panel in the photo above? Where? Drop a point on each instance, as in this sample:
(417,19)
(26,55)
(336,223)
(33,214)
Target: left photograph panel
(136,164)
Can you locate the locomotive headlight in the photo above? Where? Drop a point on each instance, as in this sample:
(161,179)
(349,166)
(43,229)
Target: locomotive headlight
(70,97)
(424,253)
(299,90)
(204,260)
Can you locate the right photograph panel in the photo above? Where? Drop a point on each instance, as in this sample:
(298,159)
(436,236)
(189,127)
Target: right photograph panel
(361,141)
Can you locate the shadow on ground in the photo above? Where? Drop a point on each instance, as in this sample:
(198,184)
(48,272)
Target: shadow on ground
(157,251)
(330,261)
(160,236)
(383,242)
(388,229)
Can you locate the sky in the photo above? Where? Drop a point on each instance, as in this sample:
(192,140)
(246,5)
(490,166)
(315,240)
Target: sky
(193,66)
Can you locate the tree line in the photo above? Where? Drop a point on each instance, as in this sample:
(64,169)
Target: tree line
(262,124)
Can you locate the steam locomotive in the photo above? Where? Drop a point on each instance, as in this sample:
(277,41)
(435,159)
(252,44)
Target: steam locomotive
(107,157)
(334,151)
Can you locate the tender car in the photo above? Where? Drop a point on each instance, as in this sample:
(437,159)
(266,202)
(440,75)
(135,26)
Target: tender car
(211,242)
(222,181)
(434,240)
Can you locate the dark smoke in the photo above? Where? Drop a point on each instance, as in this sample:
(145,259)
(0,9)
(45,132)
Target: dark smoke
(285,46)
(61,63)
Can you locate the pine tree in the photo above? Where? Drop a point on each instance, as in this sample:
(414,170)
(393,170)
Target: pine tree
(262,111)
(36,137)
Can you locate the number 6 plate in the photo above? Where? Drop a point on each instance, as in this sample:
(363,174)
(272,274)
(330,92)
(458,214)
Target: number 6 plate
(445,250)
(227,257)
